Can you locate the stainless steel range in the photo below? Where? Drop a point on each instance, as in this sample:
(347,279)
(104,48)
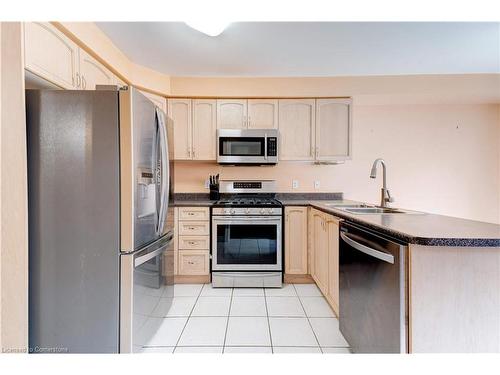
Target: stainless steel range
(247,235)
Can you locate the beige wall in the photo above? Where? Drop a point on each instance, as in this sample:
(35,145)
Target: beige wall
(442,157)
(379,90)
(13,192)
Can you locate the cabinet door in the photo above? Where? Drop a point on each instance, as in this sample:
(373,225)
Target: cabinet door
(204,129)
(158,100)
(231,114)
(333,129)
(320,268)
(262,114)
(179,110)
(296,125)
(333,263)
(93,73)
(296,240)
(50,54)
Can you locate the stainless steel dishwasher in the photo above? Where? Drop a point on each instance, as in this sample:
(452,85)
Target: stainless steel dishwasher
(373,291)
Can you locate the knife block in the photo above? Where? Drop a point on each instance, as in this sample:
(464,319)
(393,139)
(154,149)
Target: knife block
(214,192)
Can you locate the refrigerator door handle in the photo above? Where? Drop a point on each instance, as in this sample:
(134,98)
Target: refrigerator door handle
(165,172)
(157,171)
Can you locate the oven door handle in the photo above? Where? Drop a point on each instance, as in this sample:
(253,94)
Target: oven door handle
(367,250)
(246,219)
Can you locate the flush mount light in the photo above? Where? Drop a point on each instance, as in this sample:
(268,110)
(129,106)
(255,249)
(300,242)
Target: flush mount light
(208,27)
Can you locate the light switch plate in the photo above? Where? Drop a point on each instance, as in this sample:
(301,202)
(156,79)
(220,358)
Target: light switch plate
(316,184)
(207,184)
(295,184)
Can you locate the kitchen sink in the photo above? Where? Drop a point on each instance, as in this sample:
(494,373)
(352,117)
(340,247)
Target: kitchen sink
(372,210)
(342,206)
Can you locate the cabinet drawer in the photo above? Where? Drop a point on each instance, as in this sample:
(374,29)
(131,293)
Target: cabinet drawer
(196,228)
(194,213)
(194,242)
(193,262)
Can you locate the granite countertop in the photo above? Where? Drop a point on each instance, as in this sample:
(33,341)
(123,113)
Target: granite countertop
(418,228)
(422,228)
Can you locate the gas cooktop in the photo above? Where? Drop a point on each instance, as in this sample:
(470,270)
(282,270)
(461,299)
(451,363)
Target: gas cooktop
(248,202)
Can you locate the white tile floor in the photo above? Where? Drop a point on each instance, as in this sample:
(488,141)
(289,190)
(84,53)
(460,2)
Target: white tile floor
(202,319)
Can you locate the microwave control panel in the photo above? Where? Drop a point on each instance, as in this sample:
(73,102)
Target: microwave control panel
(271,146)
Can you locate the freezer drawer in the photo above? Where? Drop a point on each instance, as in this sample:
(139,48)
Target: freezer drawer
(146,293)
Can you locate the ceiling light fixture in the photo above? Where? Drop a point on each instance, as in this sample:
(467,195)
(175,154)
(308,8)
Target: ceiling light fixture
(208,27)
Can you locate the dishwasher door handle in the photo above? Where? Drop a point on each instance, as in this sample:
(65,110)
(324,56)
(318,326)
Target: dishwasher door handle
(367,250)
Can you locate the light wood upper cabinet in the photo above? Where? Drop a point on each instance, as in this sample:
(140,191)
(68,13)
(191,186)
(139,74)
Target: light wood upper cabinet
(333,129)
(158,100)
(296,125)
(179,110)
(204,129)
(195,123)
(296,240)
(262,113)
(50,54)
(231,114)
(93,73)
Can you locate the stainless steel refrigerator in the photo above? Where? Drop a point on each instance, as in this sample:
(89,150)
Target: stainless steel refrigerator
(100,178)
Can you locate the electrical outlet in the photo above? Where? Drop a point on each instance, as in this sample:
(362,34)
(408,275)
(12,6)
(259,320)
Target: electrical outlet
(295,184)
(316,184)
(207,184)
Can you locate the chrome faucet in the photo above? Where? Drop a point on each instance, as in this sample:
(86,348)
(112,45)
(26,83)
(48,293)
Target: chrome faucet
(385,194)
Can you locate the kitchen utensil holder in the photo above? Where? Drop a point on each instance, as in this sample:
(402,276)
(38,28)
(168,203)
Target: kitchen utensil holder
(214,192)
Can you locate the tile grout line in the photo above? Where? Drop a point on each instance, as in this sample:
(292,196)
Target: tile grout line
(227,322)
(189,317)
(268,322)
(308,321)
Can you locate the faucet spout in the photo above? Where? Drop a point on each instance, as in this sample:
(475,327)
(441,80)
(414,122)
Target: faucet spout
(385,194)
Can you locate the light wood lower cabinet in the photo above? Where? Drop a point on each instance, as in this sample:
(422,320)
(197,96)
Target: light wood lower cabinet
(296,240)
(324,254)
(194,213)
(319,261)
(192,243)
(193,228)
(332,295)
(193,262)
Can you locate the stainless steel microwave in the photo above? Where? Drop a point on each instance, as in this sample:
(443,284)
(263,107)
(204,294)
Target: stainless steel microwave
(247,146)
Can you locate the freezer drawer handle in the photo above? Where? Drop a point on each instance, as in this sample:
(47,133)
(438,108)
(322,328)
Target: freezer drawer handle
(367,250)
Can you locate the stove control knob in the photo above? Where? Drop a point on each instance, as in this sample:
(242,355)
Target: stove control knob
(232,211)
(270,211)
(247,210)
(262,211)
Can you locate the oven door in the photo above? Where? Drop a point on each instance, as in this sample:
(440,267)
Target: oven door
(246,243)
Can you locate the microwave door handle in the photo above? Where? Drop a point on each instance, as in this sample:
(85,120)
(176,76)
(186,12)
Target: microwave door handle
(265,146)
(367,250)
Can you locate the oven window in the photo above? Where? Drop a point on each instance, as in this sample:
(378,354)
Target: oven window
(248,146)
(247,244)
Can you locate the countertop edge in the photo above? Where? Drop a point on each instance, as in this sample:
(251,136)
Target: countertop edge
(405,237)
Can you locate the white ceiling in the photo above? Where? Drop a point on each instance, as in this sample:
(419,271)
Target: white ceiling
(311,48)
